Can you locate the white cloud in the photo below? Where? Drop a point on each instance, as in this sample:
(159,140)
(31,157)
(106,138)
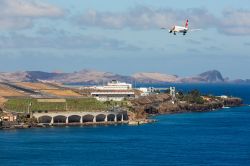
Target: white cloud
(145,17)
(235,22)
(231,22)
(16,14)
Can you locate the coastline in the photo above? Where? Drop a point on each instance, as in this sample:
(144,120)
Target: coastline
(149,118)
(143,109)
(39,125)
(162,105)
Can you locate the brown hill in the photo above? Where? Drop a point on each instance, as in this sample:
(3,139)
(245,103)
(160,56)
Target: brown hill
(154,77)
(98,77)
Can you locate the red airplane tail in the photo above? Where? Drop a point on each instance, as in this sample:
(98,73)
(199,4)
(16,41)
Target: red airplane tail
(186,25)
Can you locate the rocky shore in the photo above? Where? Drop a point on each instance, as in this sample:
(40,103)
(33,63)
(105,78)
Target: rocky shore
(163,104)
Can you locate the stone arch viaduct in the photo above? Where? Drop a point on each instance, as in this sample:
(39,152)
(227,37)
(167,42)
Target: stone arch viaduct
(80,117)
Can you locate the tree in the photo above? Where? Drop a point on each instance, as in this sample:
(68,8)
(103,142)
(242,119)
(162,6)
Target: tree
(180,95)
(195,93)
(194,96)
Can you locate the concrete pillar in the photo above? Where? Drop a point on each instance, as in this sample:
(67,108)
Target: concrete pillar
(52,120)
(106,118)
(115,118)
(81,120)
(94,120)
(67,120)
(122,118)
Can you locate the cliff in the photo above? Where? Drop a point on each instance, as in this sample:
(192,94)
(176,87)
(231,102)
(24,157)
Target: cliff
(162,104)
(212,76)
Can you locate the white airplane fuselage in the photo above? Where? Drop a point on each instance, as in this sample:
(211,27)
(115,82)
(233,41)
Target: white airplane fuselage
(178,29)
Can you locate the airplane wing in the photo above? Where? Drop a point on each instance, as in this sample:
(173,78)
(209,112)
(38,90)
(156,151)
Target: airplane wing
(195,30)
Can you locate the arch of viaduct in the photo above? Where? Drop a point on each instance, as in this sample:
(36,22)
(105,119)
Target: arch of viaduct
(80,117)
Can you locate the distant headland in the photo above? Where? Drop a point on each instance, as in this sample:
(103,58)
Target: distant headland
(100,77)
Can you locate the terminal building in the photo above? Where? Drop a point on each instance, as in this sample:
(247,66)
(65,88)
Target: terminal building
(113,95)
(112,85)
(114,90)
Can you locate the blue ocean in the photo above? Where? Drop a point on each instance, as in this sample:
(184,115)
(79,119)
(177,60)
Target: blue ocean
(221,137)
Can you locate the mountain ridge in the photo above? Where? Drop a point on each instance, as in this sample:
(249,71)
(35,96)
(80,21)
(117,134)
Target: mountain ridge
(94,77)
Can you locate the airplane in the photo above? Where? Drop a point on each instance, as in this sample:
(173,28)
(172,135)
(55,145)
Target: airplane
(180,29)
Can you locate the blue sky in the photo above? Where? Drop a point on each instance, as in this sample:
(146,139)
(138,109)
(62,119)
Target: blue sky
(125,36)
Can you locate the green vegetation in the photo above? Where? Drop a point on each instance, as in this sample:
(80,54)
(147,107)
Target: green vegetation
(24,105)
(87,104)
(193,97)
(84,104)
(22,118)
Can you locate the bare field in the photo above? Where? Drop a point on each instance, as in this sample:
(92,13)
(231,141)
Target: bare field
(35,86)
(63,93)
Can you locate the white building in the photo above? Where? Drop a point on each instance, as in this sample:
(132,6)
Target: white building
(112,85)
(146,91)
(113,95)
(223,96)
(116,85)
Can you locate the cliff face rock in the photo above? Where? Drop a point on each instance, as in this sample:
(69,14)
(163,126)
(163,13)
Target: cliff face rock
(177,108)
(230,102)
(161,104)
(212,76)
